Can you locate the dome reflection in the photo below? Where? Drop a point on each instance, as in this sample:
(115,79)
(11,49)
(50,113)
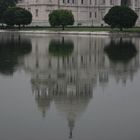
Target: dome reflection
(68,80)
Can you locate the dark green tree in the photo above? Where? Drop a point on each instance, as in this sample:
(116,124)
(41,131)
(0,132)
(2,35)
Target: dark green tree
(17,16)
(121,17)
(61,18)
(4,4)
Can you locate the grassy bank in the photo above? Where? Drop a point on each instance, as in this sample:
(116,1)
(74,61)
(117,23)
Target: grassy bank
(80,29)
(84,29)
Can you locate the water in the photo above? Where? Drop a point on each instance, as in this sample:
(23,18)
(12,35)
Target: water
(59,87)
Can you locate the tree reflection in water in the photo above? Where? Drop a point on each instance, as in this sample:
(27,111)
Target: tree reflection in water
(11,48)
(124,62)
(122,51)
(61,48)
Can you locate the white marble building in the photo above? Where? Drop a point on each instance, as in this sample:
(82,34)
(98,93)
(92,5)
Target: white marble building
(86,12)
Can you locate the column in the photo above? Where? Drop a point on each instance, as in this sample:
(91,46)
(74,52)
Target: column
(132,4)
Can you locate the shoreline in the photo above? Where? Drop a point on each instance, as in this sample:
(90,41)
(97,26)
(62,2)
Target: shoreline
(96,33)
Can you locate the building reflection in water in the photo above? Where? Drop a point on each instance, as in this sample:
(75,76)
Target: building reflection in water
(68,77)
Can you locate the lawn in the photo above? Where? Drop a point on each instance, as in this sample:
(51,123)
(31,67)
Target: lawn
(80,29)
(85,29)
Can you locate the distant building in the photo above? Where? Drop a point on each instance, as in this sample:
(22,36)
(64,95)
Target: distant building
(86,12)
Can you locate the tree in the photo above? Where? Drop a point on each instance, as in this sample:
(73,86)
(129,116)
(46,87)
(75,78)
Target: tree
(17,16)
(121,17)
(4,4)
(61,18)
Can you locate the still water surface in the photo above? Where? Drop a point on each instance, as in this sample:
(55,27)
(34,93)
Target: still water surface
(55,87)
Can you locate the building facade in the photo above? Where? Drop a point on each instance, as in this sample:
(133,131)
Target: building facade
(86,12)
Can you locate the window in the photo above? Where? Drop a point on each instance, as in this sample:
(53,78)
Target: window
(29,9)
(36,12)
(90,2)
(90,14)
(95,14)
(95,2)
(112,2)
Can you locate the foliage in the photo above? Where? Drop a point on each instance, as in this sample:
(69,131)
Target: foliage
(61,48)
(4,4)
(121,17)
(61,18)
(122,51)
(17,16)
